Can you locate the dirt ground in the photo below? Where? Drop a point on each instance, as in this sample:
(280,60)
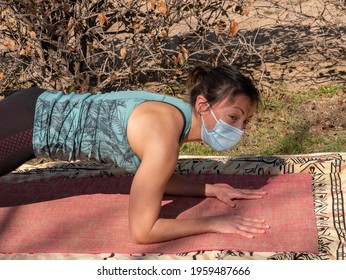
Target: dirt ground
(302,43)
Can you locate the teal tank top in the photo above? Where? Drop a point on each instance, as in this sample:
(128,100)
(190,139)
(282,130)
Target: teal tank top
(93,126)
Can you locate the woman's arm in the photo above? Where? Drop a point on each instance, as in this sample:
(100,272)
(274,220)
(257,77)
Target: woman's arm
(154,136)
(178,185)
(145,203)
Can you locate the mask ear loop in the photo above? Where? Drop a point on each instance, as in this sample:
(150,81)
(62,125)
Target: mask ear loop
(212,112)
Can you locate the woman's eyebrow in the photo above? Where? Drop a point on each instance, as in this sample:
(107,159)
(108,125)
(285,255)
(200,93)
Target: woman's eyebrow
(239,109)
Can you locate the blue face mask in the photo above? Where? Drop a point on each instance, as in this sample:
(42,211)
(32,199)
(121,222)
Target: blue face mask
(223,136)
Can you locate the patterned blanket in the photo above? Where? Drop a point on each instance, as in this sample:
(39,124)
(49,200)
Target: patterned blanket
(328,173)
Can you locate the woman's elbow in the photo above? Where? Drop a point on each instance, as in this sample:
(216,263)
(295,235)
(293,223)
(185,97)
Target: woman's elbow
(141,237)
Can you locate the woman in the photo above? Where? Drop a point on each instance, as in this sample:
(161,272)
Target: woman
(141,132)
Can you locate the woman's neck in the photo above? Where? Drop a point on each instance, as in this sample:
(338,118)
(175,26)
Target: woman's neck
(194,133)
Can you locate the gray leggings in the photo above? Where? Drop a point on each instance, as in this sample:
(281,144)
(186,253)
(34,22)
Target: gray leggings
(17,114)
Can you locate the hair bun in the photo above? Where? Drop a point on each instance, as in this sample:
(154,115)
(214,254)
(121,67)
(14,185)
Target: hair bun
(217,83)
(197,74)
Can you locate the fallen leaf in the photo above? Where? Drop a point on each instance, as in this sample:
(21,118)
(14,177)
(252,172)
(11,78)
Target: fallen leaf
(245,11)
(123,53)
(70,24)
(153,39)
(164,32)
(175,60)
(4,12)
(9,44)
(26,51)
(103,20)
(234,28)
(32,35)
(186,53)
(181,59)
(151,4)
(162,7)
(113,77)
(1,76)
(136,24)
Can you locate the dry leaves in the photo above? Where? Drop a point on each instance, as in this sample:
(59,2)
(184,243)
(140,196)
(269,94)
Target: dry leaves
(26,50)
(164,32)
(32,35)
(70,24)
(136,24)
(244,11)
(182,58)
(162,7)
(113,77)
(185,53)
(234,28)
(4,12)
(102,19)
(151,4)
(9,44)
(123,52)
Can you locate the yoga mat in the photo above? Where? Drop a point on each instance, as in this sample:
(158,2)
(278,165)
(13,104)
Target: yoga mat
(89,215)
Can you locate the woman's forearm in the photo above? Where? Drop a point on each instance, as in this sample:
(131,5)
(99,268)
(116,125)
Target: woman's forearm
(178,185)
(170,229)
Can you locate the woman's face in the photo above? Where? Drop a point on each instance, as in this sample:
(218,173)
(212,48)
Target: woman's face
(237,112)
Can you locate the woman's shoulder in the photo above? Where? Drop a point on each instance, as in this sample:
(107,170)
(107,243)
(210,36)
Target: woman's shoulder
(158,112)
(157,116)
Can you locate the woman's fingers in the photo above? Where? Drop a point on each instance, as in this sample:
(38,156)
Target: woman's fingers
(256,191)
(253,223)
(259,228)
(249,194)
(243,226)
(253,220)
(250,191)
(248,226)
(245,234)
(228,199)
(226,193)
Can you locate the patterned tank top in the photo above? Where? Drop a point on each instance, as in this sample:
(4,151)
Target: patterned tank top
(93,126)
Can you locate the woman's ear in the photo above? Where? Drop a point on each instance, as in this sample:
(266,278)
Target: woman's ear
(201,104)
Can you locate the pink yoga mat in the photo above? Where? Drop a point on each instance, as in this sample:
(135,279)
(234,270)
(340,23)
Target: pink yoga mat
(90,216)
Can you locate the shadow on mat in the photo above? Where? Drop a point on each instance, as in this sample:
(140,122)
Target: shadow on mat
(16,194)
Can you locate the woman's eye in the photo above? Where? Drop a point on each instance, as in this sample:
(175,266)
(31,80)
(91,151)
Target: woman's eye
(233,118)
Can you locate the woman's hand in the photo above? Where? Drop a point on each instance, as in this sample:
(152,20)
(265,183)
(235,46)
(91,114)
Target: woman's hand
(227,194)
(246,227)
(230,223)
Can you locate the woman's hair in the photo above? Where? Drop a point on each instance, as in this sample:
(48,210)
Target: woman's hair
(219,83)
